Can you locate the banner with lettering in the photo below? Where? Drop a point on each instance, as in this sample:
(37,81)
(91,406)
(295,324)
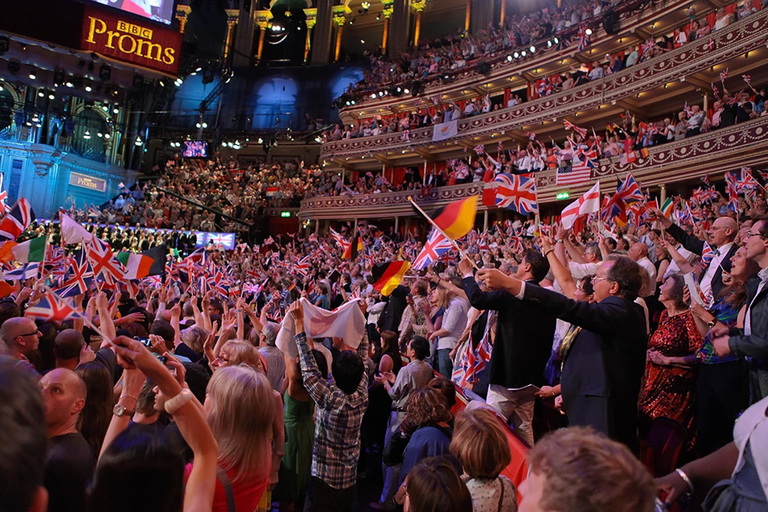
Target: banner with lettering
(444,131)
(126,39)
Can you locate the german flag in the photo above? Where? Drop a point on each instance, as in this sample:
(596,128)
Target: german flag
(456,219)
(352,249)
(387,276)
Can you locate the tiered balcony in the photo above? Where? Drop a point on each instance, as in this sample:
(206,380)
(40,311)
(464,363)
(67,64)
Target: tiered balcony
(709,153)
(679,65)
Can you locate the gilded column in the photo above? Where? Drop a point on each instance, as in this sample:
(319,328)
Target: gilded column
(339,21)
(232,17)
(308,42)
(263,25)
(182,13)
(418,7)
(468,15)
(387,13)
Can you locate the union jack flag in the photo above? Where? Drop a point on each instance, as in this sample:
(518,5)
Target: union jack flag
(707,253)
(715,91)
(103,262)
(16,221)
(570,126)
(55,261)
(437,245)
(705,179)
(227,240)
(480,149)
(747,79)
(648,45)
(517,192)
(302,266)
(78,278)
(685,216)
(629,191)
(475,358)
(3,196)
(723,75)
(515,243)
(583,38)
(688,110)
(51,308)
(743,181)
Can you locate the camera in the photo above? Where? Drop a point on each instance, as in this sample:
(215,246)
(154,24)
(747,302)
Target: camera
(144,341)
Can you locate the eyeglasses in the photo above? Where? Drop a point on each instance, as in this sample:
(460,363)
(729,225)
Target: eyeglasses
(36,333)
(597,279)
(751,234)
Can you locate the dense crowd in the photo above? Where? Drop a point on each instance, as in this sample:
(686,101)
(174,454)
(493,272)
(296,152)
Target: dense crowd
(695,28)
(282,373)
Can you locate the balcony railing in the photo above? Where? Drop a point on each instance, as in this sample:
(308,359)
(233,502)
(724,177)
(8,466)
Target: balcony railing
(737,39)
(709,153)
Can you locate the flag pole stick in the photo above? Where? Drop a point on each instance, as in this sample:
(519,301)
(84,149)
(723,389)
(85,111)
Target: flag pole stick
(85,319)
(453,242)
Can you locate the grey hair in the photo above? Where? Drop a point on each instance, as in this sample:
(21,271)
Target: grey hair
(270,331)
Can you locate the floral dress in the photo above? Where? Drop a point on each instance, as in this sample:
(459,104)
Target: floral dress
(668,391)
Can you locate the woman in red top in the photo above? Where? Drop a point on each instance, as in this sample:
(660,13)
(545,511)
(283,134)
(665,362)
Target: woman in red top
(670,372)
(239,409)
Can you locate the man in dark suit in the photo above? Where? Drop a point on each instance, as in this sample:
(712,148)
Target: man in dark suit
(721,235)
(606,359)
(522,346)
(751,342)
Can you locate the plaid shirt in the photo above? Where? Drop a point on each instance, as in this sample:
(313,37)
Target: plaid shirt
(339,416)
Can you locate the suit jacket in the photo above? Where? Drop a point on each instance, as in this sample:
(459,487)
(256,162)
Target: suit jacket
(606,362)
(696,246)
(755,345)
(524,334)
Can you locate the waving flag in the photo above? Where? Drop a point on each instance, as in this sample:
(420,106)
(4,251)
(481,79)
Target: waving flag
(583,38)
(747,79)
(103,262)
(707,253)
(26,271)
(570,126)
(437,245)
(715,91)
(388,276)
(51,308)
(455,219)
(588,203)
(516,192)
(480,149)
(79,276)
(17,220)
(629,191)
(723,75)
(474,360)
(4,208)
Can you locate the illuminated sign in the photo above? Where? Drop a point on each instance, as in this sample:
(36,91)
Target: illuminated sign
(81,180)
(137,43)
(285,214)
(563,195)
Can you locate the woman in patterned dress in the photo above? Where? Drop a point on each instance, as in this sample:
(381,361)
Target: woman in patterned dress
(670,371)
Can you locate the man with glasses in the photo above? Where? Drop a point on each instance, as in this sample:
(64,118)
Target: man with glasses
(22,337)
(605,362)
(751,342)
(721,237)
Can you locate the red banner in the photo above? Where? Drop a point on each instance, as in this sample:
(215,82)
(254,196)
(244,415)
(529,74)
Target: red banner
(123,38)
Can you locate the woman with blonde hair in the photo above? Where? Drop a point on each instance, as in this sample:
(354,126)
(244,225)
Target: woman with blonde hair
(235,352)
(482,449)
(237,406)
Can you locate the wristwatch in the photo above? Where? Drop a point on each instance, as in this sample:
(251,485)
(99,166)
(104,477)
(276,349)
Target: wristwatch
(712,323)
(120,410)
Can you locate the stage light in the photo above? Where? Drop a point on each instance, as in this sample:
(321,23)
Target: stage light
(88,88)
(516,55)
(532,48)
(116,110)
(69,84)
(178,82)
(509,58)
(51,96)
(105,108)
(139,142)
(205,125)
(522,53)
(549,44)
(33,75)
(41,94)
(87,135)
(353,102)
(100,135)
(373,96)
(107,136)
(588,31)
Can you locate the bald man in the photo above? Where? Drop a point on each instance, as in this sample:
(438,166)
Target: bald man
(638,251)
(721,236)
(22,337)
(70,463)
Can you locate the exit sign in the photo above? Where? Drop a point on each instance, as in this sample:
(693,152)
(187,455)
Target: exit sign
(285,214)
(563,195)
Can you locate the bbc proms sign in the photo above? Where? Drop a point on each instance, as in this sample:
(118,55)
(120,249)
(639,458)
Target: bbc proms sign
(123,38)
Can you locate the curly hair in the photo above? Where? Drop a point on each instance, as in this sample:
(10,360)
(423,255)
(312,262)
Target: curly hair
(424,407)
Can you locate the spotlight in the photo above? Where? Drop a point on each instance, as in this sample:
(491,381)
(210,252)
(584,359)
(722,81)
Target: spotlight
(509,58)
(105,108)
(69,84)
(532,48)
(88,88)
(549,44)
(100,135)
(205,125)
(373,96)
(51,96)
(198,125)
(107,136)
(105,72)
(58,78)
(555,40)
(407,91)
(87,135)
(352,102)
(522,53)
(178,82)
(139,142)
(41,94)
(32,74)
(588,31)
(115,110)
(516,55)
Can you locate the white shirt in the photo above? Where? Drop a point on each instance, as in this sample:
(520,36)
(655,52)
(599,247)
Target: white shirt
(454,320)
(582,270)
(673,268)
(717,260)
(651,269)
(752,428)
